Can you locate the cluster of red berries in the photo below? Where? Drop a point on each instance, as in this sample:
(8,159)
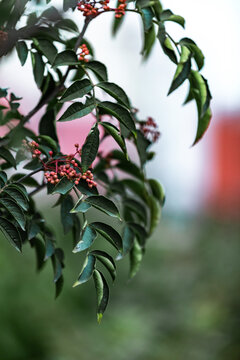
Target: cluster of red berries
(33,146)
(83,53)
(66,165)
(94,8)
(149,129)
(120,11)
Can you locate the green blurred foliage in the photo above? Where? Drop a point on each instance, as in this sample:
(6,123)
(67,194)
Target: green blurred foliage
(184,304)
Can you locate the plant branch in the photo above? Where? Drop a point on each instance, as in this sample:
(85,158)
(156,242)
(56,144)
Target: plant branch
(61,84)
(28,175)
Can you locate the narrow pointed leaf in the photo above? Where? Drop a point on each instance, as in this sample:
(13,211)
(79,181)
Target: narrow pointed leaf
(63,187)
(87,270)
(102,203)
(137,207)
(38,69)
(166,43)
(98,69)
(15,210)
(90,148)
(155,213)
(119,112)
(108,233)
(47,48)
(80,206)
(107,261)
(102,292)
(140,232)
(128,240)
(66,216)
(136,255)
(157,190)
(67,57)
(197,53)
(78,110)
(22,51)
(114,132)
(77,90)
(167,15)
(183,69)
(11,233)
(115,91)
(6,155)
(17,196)
(88,237)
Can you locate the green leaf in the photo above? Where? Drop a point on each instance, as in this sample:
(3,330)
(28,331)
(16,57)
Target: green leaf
(197,53)
(108,233)
(115,91)
(67,4)
(136,255)
(183,69)
(140,232)
(203,124)
(119,112)
(155,213)
(128,240)
(47,125)
(38,245)
(142,144)
(114,132)
(130,168)
(22,51)
(107,261)
(102,203)
(78,110)
(88,237)
(59,286)
(63,187)
(157,191)
(102,291)
(31,182)
(66,57)
(6,155)
(136,187)
(3,177)
(16,194)
(68,25)
(38,68)
(66,216)
(15,210)
(147,17)
(87,270)
(80,206)
(149,40)
(47,48)
(77,90)
(85,189)
(98,69)
(137,207)
(90,148)
(166,43)
(49,247)
(11,233)
(167,15)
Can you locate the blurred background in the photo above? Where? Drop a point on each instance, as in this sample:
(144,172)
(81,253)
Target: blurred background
(184,302)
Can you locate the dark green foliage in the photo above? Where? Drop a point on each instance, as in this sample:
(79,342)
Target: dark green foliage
(88,179)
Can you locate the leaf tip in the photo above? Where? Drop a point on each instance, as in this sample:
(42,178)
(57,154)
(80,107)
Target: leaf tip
(99,318)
